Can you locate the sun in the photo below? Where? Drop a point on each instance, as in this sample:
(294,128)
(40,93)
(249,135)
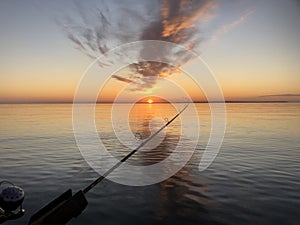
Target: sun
(150,101)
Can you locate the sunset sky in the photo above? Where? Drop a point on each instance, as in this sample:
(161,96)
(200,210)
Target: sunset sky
(252,46)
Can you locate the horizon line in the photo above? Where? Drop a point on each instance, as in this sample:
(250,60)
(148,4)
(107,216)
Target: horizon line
(129,102)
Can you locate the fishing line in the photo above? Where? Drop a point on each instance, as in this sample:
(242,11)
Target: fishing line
(93,184)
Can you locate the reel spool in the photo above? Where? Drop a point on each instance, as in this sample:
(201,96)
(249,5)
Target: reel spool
(11,198)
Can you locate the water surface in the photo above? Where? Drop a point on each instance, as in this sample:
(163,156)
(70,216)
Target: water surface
(255,178)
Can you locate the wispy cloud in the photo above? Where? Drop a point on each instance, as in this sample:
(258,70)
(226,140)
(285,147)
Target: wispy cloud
(226,28)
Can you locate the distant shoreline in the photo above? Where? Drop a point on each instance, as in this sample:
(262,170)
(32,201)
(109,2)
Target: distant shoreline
(198,102)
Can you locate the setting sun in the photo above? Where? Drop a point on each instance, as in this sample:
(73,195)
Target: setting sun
(150,101)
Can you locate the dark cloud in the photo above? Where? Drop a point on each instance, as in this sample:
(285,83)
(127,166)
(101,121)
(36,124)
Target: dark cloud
(104,26)
(126,80)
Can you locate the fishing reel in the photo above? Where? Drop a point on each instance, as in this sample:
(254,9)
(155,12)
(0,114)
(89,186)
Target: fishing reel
(11,199)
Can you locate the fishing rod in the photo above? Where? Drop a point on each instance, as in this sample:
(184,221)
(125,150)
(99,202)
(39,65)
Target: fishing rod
(88,188)
(67,206)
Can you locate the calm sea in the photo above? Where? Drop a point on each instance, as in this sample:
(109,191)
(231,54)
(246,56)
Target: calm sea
(255,178)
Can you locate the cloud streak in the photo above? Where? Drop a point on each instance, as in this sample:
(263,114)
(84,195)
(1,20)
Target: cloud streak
(226,28)
(123,79)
